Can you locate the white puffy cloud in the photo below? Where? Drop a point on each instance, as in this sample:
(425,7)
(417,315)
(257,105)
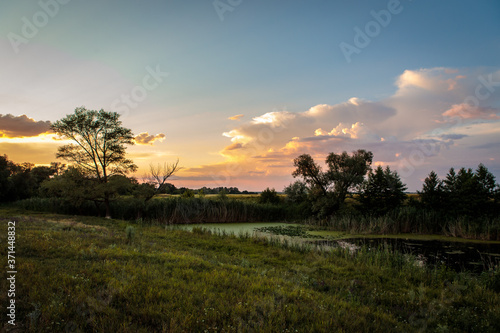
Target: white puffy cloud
(412,131)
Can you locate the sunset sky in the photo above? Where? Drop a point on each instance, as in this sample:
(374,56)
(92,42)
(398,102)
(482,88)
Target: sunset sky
(236,89)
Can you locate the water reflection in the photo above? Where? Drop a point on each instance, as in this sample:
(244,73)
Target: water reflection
(459,256)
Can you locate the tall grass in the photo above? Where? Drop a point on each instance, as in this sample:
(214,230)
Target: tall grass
(178,210)
(91,278)
(171,210)
(414,220)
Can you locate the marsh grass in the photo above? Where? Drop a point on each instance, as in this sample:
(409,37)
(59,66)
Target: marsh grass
(170,210)
(90,278)
(130,233)
(414,220)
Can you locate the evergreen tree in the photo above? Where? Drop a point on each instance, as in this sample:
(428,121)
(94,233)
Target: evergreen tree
(432,195)
(382,191)
(470,193)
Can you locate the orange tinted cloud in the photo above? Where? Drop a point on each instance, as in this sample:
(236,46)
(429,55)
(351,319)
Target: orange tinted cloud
(237,117)
(146,139)
(233,146)
(466,111)
(22,126)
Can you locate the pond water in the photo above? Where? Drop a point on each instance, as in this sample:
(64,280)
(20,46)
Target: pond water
(457,255)
(235,228)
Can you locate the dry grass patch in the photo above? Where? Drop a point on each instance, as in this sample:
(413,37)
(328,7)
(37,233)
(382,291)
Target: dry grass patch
(70,224)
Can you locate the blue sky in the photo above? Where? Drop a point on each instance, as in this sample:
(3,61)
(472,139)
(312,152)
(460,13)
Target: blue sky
(264,57)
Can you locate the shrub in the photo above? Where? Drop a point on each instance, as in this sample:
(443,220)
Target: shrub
(296,192)
(269,196)
(188,194)
(130,232)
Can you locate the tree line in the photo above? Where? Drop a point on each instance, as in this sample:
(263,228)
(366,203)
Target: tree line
(98,166)
(380,190)
(98,169)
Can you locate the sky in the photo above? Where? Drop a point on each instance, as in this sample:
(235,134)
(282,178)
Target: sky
(236,89)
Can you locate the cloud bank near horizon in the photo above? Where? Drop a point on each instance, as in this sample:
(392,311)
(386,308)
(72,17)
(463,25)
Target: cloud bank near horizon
(433,120)
(22,126)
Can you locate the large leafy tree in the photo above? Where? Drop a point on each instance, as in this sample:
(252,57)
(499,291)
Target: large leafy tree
(346,171)
(98,147)
(328,189)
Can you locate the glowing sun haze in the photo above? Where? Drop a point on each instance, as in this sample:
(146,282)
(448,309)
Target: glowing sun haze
(236,96)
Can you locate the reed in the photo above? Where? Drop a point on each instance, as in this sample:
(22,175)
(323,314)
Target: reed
(414,220)
(171,210)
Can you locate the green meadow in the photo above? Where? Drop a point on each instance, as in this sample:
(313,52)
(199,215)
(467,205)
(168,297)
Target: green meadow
(89,274)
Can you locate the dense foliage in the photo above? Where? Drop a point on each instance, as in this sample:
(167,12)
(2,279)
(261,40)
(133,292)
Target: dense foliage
(21,181)
(329,189)
(269,196)
(465,193)
(382,192)
(98,147)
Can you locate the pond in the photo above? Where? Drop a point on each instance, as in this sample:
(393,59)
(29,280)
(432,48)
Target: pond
(235,228)
(459,255)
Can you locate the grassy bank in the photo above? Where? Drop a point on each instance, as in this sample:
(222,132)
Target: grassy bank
(89,274)
(244,208)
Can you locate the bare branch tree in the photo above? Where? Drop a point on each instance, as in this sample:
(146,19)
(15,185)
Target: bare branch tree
(158,176)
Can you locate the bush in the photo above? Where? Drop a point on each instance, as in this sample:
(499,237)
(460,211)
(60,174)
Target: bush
(296,192)
(188,194)
(269,196)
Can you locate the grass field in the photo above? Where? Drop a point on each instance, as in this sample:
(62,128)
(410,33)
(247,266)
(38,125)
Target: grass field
(84,274)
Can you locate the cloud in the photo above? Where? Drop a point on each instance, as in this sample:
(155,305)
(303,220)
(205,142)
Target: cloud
(411,130)
(22,126)
(465,111)
(453,136)
(233,146)
(431,79)
(355,131)
(274,119)
(237,117)
(146,139)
